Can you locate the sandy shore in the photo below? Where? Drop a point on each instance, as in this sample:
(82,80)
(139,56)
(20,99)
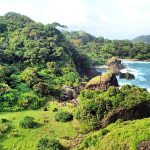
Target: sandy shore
(101,67)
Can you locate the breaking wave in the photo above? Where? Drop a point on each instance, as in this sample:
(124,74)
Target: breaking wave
(141,71)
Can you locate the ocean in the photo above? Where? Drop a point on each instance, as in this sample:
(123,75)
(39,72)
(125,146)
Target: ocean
(141,71)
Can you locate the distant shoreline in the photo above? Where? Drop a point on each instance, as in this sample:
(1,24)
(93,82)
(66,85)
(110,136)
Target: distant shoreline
(128,59)
(101,67)
(125,59)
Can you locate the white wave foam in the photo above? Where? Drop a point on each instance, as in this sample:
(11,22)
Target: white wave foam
(133,71)
(139,75)
(140,72)
(148,89)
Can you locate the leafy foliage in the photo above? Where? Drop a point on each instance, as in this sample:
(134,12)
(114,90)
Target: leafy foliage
(46,144)
(63,116)
(35,62)
(119,135)
(4,126)
(28,122)
(100,49)
(142,38)
(94,105)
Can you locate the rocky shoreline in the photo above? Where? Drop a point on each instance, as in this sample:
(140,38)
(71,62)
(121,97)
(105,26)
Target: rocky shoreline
(115,66)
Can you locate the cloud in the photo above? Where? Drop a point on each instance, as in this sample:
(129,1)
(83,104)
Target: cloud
(109,18)
(68,12)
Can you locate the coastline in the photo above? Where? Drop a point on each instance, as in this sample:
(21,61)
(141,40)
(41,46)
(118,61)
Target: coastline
(125,59)
(133,59)
(101,67)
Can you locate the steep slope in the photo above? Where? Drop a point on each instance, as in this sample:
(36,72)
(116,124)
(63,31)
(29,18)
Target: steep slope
(142,38)
(119,136)
(35,61)
(99,49)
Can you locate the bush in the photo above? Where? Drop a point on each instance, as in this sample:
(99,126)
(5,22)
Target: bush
(63,116)
(95,105)
(4,127)
(30,101)
(28,122)
(46,144)
(91,111)
(4,120)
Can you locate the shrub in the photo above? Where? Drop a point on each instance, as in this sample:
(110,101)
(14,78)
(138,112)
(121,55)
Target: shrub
(31,101)
(46,144)
(13,133)
(95,105)
(63,116)
(28,122)
(4,127)
(55,109)
(90,112)
(4,120)
(89,141)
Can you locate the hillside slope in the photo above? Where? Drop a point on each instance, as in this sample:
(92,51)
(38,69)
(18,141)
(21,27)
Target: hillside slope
(142,38)
(99,49)
(36,60)
(118,136)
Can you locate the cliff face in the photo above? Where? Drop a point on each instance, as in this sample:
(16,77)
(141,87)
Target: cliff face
(103,82)
(139,111)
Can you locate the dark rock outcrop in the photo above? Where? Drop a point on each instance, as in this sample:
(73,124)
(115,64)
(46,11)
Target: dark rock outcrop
(139,111)
(127,75)
(114,65)
(93,72)
(144,145)
(103,82)
(69,93)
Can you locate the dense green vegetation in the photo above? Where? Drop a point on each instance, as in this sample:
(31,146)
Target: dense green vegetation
(4,126)
(94,105)
(63,116)
(46,144)
(118,136)
(36,61)
(28,122)
(100,49)
(142,38)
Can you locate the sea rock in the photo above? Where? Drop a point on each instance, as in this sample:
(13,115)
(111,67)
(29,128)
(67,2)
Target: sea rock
(130,76)
(127,75)
(114,65)
(139,111)
(103,82)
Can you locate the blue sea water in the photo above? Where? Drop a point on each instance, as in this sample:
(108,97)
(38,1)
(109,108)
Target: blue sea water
(141,71)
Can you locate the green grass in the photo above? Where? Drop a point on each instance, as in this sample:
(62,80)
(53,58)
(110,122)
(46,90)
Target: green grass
(27,138)
(118,136)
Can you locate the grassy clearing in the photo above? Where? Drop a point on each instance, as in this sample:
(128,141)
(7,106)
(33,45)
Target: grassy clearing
(118,136)
(28,138)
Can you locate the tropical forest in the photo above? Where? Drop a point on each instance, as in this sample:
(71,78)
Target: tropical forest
(71,90)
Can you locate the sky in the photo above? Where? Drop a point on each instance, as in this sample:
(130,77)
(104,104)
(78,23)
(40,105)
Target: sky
(112,19)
